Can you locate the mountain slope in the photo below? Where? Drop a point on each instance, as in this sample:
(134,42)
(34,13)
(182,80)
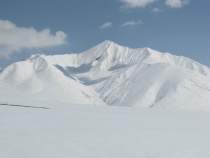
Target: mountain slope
(35,79)
(113,75)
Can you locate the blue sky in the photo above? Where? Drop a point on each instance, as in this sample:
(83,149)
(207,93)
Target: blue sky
(181,27)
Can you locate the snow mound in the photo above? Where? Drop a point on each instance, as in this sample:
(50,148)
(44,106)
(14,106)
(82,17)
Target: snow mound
(113,75)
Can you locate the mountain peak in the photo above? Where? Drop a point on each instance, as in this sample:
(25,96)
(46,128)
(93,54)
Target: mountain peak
(106,44)
(107,41)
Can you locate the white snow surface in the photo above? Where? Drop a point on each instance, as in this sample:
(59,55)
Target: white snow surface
(92,131)
(52,106)
(110,74)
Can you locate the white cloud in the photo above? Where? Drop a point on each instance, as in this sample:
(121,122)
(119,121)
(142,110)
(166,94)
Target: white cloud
(176,3)
(144,3)
(106,25)
(136,3)
(14,39)
(156,10)
(131,23)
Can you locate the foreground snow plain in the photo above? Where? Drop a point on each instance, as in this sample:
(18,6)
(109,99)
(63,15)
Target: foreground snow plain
(93,131)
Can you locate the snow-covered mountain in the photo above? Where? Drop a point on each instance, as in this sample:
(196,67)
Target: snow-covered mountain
(110,74)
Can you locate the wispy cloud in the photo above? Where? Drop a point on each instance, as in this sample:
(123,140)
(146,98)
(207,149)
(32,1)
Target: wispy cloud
(156,10)
(14,39)
(131,23)
(106,25)
(136,3)
(176,3)
(143,3)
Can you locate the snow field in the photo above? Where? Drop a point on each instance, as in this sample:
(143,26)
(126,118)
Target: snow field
(68,130)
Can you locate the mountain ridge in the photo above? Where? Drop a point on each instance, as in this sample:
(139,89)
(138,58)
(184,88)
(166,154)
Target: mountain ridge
(162,57)
(110,74)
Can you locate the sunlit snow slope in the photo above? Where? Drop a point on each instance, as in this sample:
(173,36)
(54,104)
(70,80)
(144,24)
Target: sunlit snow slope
(110,74)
